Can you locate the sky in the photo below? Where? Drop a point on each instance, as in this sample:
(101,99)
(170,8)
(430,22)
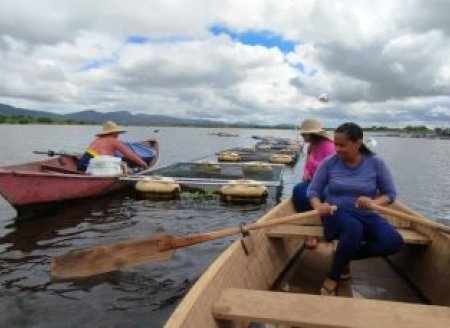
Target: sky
(378,62)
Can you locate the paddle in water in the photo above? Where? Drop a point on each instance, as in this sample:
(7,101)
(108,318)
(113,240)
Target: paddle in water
(130,253)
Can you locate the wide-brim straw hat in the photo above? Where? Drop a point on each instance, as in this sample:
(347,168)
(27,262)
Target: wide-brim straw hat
(313,126)
(109,128)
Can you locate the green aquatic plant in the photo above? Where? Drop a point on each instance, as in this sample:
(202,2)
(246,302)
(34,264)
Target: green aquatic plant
(199,194)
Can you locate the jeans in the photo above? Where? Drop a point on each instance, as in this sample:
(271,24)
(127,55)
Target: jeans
(360,236)
(301,202)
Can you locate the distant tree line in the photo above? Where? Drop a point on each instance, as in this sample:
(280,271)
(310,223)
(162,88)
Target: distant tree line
(20,119)
(420,129)
(411,129)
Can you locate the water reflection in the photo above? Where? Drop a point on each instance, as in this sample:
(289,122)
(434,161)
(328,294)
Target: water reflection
(150,292)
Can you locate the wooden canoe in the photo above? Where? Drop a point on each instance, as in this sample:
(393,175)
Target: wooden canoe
(36,184)
(278,281)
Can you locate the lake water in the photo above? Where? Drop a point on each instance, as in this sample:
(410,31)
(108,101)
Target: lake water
(146,295)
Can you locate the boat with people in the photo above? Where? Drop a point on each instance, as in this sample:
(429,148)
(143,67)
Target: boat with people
(269,277)
(32,185)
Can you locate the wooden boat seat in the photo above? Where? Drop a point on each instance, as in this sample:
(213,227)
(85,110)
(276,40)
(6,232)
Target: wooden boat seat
(303,310)
(58,169)
(298,231)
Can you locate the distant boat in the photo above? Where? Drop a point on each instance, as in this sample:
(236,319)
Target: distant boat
(31,185)
(225,134)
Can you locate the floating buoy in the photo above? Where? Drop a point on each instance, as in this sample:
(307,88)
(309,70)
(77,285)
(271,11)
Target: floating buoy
(229,156)
(289,150)
(159,186)
(282,159)
(256,167)
(263,146)
(244,190)
(206,166)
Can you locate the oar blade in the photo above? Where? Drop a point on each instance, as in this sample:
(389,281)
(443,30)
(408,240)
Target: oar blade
(101,259)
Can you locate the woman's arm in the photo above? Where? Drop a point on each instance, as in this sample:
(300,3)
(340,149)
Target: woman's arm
(128,154)
(386,187)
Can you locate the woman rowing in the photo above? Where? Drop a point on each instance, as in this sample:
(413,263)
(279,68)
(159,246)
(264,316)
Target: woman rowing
(356,178)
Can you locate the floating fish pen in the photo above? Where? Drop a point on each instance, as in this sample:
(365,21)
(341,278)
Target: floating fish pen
(236,182)
(288,156)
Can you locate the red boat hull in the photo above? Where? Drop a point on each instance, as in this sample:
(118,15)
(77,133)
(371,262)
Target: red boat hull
(55,180)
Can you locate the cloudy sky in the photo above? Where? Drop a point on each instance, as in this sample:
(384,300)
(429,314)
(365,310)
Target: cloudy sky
(379,62)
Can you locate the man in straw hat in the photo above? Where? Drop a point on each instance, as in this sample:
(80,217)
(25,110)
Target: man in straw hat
(107,143)
(320,146)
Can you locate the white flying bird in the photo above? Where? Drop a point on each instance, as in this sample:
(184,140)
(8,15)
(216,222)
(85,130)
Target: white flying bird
(324,97)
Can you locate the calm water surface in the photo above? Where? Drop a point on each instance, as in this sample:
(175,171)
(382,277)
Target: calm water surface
(146,295)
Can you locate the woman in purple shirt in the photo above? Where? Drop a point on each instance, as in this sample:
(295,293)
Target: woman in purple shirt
(356,178)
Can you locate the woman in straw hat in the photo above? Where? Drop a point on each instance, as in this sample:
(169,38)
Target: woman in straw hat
(107,143)
(320,147)
(355,178)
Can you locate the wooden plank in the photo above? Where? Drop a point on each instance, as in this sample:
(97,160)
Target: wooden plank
(301,310)
(299,231)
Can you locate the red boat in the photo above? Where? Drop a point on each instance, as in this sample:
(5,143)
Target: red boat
(38,184)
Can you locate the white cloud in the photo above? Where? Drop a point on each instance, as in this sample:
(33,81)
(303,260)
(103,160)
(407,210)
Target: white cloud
(375,60)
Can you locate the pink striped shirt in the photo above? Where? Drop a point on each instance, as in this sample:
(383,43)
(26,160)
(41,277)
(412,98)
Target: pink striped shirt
(316,154)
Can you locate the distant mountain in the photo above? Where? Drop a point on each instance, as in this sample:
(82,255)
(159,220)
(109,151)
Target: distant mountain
(10,111)
(122,117)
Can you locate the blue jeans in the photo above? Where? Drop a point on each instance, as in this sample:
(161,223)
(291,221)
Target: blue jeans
(360,236)
(301,202)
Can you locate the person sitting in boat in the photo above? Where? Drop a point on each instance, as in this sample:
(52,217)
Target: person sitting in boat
(107,143)
(356,178)
(320,146)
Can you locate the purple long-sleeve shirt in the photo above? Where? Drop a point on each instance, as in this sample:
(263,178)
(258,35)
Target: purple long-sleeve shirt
(345,184)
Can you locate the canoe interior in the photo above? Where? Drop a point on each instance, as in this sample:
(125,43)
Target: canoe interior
(419,274)
(68,163)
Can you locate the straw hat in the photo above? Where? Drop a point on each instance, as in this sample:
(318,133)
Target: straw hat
(109,128)
(312,126)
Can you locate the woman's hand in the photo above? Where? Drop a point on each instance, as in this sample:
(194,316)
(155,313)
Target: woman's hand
(325,208)
(306,177)
(364,202)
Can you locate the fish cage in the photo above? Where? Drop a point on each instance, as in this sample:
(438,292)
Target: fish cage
(212,177)
(268,155)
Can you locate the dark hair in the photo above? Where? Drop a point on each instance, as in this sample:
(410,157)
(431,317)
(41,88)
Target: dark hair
(315,139)
(354,133)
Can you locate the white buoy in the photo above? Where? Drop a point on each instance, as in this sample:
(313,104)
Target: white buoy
(156,185)
(229,156)
(241,190)
(256,167)
(206,166)
(282,159)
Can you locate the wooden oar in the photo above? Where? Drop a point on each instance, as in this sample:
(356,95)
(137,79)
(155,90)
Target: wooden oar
(125,254)
(51,153)
(412,218)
